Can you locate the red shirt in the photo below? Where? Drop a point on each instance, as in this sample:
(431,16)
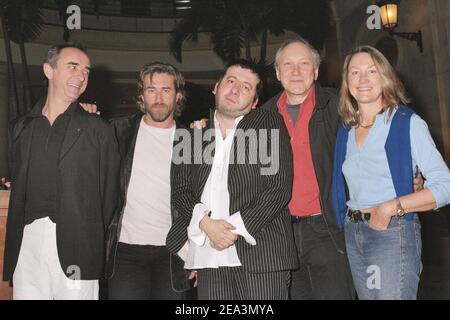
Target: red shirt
(305,192)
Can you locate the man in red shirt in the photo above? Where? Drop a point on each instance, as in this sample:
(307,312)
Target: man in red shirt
(310,115)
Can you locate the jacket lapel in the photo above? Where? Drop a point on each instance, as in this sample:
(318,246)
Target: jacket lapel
(205,166)
(322,99)
(23,122)
(244,125)
(21,125)
(24,131)
(73,132)
(132,136)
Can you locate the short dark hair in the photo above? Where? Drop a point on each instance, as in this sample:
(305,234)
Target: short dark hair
(54,52)
(249,65)
(160,67)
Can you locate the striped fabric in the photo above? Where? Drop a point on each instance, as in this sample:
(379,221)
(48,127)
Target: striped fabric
(261,199)
(234,283)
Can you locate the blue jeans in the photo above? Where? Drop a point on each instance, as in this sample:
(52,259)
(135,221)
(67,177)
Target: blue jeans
(385,265)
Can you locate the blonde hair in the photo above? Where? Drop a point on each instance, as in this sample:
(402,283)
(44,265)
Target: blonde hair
(393,91)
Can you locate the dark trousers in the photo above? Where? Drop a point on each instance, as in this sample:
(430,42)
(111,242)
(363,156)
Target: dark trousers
(142,272)
(234,283)
(324,272)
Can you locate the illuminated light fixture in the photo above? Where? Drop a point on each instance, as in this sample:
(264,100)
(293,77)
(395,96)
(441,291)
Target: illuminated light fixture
(389,19)
(183,4)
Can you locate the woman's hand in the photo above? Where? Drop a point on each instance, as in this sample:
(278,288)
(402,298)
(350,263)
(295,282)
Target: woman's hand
(380,216)
(193,275)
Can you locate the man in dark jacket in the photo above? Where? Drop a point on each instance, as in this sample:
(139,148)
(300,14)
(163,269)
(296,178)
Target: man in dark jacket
(139,265)
(64,165)
(310,115)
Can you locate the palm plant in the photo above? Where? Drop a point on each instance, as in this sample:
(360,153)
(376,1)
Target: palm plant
(234,24)
(26,25)
(22,22)
(13,98)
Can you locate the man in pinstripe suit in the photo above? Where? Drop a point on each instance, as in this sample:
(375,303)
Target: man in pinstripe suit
(235,210)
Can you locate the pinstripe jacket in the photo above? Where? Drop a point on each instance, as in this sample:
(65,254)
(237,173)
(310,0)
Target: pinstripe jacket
(261,199)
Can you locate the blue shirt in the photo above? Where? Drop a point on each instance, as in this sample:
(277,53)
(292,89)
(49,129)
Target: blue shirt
(367,173)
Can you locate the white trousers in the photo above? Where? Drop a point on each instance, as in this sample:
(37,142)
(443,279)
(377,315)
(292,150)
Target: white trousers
(38,274)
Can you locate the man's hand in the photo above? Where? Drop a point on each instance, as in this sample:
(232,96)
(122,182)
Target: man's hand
(193,275)
(381,216)
(418,182)
(199,124)
(218,232)
(90,107)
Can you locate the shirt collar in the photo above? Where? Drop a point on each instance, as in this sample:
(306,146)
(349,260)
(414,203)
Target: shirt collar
(37,109)
(310,99)
(236,121)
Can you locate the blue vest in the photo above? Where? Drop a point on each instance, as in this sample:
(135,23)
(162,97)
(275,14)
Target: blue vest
(398,153)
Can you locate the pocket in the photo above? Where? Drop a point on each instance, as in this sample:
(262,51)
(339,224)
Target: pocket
(418,237)
(390,229)
(318,225)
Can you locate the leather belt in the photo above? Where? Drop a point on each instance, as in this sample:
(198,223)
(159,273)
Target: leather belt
(357,215)
(297,219)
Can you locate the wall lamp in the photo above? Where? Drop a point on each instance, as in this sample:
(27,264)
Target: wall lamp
(388,13)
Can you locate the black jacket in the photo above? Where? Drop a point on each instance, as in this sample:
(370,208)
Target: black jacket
(87,180)
(261,199)
(126,129)
(322,138)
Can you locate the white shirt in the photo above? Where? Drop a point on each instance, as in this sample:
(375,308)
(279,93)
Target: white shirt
(147,217)
(215,198)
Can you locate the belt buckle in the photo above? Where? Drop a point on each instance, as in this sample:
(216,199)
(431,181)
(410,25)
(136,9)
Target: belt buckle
(356,215)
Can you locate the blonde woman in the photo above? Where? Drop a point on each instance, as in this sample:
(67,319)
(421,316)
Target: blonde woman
(380,146)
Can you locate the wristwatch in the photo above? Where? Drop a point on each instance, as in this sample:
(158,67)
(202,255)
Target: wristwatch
(400,212)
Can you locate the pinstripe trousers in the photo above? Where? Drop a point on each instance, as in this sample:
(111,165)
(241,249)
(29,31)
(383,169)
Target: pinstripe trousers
(234,283)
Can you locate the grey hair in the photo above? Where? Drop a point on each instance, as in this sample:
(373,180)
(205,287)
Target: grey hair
(299,39)
(54,52)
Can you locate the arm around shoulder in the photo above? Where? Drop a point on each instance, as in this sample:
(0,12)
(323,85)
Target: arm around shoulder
(430,161)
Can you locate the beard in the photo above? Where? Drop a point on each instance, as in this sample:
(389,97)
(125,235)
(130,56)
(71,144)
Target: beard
(159,112)
(231,112)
